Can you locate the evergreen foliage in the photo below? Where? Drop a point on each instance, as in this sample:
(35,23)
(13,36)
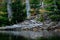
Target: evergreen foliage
(18,13)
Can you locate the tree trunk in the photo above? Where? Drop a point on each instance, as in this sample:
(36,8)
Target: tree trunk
(9,10)
(28,9)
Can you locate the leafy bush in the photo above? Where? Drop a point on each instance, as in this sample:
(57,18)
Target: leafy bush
(4,21)
(55,17)
(40,19)
(35,3)
(50,8)
(3,15)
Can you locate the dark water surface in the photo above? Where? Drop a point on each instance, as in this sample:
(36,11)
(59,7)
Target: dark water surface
(11,37)
(23,35)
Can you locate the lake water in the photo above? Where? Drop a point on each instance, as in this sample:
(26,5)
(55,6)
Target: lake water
(15,35)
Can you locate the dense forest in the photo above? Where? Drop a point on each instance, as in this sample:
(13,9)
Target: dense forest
(14,11)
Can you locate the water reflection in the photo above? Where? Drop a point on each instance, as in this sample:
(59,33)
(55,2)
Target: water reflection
(30,34)
(11,37)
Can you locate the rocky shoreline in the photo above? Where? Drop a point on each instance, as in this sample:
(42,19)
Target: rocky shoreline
(33,25)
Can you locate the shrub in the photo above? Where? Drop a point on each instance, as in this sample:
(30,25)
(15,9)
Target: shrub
(55,17)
